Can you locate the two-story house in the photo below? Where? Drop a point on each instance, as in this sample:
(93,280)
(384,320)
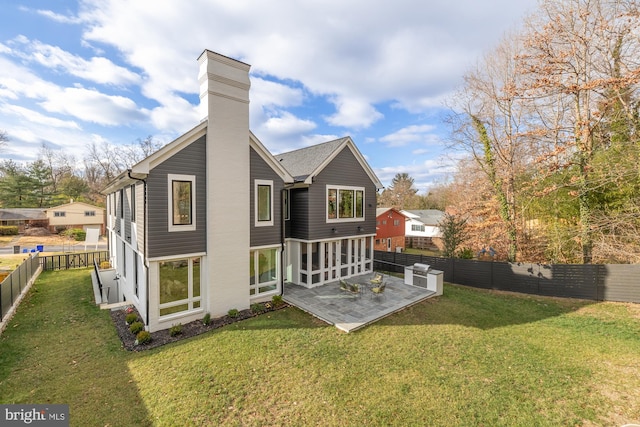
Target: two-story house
(390,230)
(422,230)
(213,221)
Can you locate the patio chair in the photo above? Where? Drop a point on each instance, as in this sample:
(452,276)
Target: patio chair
(344,286)
(378,291)
(377,279)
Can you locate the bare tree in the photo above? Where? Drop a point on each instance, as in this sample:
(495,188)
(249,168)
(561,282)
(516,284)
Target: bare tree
(492,129)
(580,56)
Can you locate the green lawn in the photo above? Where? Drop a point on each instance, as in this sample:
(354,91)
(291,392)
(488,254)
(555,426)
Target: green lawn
(470,357)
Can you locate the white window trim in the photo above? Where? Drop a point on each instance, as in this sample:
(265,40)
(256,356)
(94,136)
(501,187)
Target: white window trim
(257,183)
(190,300)
(170,179)
(275,281)
(344,187)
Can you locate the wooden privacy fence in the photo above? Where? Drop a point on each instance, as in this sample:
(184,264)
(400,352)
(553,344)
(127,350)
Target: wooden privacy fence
(72,260)
(13,285)
(599,282)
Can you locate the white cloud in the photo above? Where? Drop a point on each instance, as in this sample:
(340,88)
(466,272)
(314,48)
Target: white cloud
(93,106)
(410,134)
(32,116)
(353,113)
(425,174)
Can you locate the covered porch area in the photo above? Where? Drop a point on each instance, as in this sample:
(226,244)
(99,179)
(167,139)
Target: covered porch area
(348,311)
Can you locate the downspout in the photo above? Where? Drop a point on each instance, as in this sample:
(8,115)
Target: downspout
(144,258)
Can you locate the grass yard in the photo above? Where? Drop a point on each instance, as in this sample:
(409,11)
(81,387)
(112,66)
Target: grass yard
(470,357)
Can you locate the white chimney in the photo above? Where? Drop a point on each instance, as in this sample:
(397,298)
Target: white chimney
(224,103)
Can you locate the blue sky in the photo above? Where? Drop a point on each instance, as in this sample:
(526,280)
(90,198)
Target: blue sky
(76,72)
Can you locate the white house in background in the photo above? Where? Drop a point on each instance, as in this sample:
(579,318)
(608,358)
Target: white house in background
(76,215)
(422,231)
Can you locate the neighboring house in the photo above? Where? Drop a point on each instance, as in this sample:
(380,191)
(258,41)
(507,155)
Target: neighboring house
(213,221)
(390,230)
(75,215)
(23,218)
(422,231)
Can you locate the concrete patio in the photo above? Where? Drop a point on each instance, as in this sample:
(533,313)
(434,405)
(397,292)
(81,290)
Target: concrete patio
(350,312)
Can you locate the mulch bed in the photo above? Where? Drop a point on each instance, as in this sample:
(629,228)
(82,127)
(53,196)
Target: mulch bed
(188,330)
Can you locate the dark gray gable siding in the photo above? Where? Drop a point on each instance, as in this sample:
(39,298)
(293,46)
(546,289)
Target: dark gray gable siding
(298,224)
(269,235)
(343,170)
(189,161)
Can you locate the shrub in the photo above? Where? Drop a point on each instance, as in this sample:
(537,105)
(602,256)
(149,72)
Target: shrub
(206,320)
(257,308)
(143,337)
(465,253)
(77,234)
(175,329)
(104,265)
(233,313)
(8,230)
(136,327)
(131,317)
(277,300)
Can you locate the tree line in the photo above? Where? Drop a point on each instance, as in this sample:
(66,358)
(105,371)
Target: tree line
(549,122)
(56,177)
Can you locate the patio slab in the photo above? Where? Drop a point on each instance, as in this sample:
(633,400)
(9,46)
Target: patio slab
(351,312)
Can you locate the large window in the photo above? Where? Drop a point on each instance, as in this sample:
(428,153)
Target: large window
(59,214)
(345,203)
(182,202)
(263,202)
(263,273)
(416,227)
(179,285)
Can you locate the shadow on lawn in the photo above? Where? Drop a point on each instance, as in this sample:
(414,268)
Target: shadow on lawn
(484,309)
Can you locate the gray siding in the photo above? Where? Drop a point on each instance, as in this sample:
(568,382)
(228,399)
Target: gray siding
(343,170)
(298,224)
(268,235)
(189,161)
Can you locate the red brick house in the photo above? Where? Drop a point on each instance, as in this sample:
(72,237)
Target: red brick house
(390,230)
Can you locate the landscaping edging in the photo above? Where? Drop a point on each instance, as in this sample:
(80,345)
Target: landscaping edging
(190,329)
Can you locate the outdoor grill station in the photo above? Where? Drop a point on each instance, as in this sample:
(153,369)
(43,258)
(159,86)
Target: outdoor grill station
(423,276)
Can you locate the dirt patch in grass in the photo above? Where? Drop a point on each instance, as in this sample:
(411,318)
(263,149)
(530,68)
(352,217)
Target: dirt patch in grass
(188,330)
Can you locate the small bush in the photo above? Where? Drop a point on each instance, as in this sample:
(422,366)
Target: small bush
(277,300)
(77,234)
(8,230)
(143,337)
(465,253)
(136,327)
(206,320)
(257,308)
(131,317)
(175,330)
(104,265)
(233,313)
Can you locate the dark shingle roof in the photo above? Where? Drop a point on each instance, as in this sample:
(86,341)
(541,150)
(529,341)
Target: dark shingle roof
(428,216)
(22,214)
(304,161)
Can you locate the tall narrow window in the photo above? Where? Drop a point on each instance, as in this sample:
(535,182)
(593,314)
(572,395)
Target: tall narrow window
(359,204)
(285,204)
(182,202)
(332,199)
(133,203)
(264,202)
